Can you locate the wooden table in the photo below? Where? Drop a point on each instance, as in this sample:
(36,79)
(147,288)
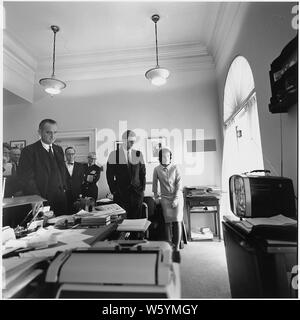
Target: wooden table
(194,198)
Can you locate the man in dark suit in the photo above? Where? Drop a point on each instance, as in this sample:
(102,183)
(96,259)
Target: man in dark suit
(126,176)
(74,178)
(91,177)
(42,168)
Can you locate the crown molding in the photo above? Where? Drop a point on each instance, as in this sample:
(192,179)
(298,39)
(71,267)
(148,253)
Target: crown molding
(18,68)
(229,21)
(129,62)
(17,76)
(105,64)
(16,49)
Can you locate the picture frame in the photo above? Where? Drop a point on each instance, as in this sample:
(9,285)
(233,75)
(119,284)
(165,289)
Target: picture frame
(21,144)
(154,144)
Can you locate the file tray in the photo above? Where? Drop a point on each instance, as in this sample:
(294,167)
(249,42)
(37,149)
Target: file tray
(116,270)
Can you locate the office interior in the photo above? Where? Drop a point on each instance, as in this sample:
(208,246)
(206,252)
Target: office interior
(214,51)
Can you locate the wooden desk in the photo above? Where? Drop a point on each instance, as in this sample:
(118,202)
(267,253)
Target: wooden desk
(196,199)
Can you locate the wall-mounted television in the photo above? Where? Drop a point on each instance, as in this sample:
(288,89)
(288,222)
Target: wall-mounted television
(284,78)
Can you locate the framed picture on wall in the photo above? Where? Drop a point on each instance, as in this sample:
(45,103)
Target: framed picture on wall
(154,144)
(20,144)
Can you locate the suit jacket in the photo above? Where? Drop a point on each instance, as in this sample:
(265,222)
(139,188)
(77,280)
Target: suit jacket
(74,182)
(34,169)
(123,177)
(93,171)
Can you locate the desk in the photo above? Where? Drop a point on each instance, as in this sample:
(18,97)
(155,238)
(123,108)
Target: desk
(30,283)
(259,267)
(194,198)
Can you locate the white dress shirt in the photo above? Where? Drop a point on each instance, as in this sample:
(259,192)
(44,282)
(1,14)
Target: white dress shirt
(46,146)
(70,167)
(127,154)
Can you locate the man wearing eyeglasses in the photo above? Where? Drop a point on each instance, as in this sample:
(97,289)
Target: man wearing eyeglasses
(91,176)
(74,178)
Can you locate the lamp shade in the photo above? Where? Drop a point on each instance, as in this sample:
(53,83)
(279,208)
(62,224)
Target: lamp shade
(157,76)
(52,85)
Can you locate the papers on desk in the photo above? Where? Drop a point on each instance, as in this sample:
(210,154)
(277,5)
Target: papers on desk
(279,220)
(50,252)
(46,242)
(134,225)
(58,219)
(104,200)
(111,208)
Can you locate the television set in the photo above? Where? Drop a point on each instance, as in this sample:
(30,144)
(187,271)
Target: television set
(284,78)
(253,196)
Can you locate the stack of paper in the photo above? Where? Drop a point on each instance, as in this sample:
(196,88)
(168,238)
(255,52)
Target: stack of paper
(65,240)
(114,210)
(61,219)
(95,220)
(279,220)
(111,208)
(134,225)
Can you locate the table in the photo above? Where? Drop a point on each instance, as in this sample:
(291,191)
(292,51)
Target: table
(201,198)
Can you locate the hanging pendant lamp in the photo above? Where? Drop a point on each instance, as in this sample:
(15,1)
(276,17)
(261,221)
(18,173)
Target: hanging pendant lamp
(52,85)
(157,76)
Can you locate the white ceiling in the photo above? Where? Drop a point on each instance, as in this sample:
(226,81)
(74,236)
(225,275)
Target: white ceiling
(110,40)
(88,27)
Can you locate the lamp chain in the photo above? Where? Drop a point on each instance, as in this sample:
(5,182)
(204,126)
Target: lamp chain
(156,45)
(53,67)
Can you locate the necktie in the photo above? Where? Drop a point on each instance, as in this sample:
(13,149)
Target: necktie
(51,155)
(14,169)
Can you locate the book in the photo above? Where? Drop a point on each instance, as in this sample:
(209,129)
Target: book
(95,220)
(134,225)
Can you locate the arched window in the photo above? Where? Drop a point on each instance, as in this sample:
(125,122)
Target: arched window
(242,150)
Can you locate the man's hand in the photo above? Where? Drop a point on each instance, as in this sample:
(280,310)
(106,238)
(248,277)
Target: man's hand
(175,203)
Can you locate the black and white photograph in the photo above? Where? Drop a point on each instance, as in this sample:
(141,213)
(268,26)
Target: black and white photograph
(150,152)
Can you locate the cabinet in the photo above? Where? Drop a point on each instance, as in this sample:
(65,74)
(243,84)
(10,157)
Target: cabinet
(259,267)
(202,198)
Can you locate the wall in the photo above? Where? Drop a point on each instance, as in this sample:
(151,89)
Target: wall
(188,101)
(264,32)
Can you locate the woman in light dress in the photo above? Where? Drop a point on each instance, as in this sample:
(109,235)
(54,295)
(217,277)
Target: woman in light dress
(169,179)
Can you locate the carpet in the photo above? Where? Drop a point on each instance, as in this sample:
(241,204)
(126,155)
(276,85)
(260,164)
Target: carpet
(203,270)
